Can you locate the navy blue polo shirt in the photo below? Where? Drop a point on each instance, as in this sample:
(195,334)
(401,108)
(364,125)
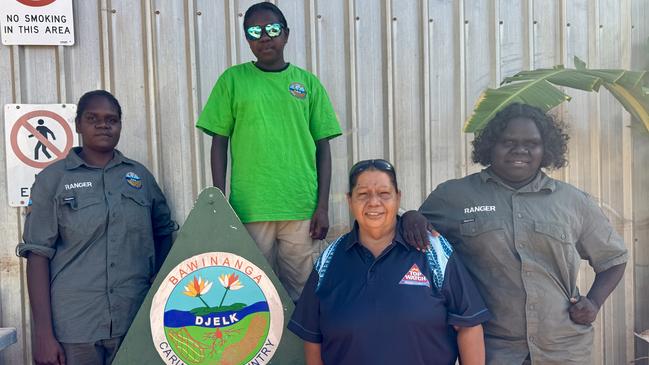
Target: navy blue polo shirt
(398,308)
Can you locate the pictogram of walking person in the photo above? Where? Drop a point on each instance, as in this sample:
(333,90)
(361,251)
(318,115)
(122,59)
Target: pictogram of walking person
(43,130)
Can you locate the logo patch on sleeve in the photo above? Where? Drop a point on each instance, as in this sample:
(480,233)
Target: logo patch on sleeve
(415,277)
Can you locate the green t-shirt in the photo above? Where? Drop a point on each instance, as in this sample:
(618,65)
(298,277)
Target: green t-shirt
(273,120)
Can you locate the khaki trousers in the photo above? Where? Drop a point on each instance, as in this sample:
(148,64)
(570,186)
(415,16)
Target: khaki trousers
(289,249)
(101,352)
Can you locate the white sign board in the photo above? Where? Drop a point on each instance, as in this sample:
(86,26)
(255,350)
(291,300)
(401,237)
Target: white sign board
(37,22)
(35,136)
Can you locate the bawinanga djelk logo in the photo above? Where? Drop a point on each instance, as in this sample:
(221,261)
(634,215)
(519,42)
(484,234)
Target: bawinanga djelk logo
(216,308)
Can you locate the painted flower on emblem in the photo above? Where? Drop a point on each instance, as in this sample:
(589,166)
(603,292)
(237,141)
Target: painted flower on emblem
(197,288)
(229,282)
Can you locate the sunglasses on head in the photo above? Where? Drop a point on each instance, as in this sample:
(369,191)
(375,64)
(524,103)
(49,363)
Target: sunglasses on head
(273,30)
(379,164)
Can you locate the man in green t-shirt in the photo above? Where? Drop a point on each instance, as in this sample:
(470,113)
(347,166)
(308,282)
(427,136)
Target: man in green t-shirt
(278,120)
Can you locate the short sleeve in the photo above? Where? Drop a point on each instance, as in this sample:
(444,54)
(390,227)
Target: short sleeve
(599,243)
(305,321)
(464,304)
(41,224)
(323,122)
(217,116)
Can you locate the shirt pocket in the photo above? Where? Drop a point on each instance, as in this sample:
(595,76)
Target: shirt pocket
(483,242)
(482,231)
(555,249)
(79,216)
(136,210)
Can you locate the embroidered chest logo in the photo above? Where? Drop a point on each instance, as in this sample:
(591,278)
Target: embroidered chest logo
(298,90)
(133,180)
(480,209)
(216,308)
(414,277)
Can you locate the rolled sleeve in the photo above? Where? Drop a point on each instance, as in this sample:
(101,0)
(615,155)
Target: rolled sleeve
(305,321)
(599,243)
(465,305)
(41,224)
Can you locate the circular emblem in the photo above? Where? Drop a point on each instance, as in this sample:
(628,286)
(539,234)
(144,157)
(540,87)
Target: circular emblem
(216,308)
(133,180)
(298,90)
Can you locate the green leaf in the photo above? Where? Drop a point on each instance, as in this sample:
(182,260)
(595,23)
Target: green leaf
(539,93)
(560,76)
(633,100)
(539,88)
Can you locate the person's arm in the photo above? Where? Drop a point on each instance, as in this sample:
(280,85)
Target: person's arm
(312,354)
(470,343)
(219,160)
(415,228)
(162,248)
(583,310)
(320,220)
(46,349)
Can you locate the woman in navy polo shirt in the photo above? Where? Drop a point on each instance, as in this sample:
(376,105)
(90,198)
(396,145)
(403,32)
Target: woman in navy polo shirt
(373,299)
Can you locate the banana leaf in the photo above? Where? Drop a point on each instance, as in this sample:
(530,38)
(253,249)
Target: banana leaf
(539,88)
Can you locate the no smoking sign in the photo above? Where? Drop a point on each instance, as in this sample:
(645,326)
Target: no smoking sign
(35,137)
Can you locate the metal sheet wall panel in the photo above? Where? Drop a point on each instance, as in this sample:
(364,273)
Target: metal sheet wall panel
(402,75)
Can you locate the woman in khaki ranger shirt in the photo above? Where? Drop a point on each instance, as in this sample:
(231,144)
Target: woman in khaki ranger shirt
(98,230)
(522,236)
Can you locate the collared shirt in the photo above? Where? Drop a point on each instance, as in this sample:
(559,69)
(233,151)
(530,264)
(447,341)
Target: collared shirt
(97,227)
(397,308)
(523,248)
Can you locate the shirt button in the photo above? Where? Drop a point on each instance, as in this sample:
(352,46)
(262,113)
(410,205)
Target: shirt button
(532,307)
(472,230)
(563,236)
(111,290)
(110,193)
(519,215)
(112,264)
(522,244)
(531,338)
(528,273)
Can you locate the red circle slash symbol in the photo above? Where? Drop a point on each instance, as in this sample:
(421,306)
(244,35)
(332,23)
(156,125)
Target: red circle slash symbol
(36,3)
(24,122)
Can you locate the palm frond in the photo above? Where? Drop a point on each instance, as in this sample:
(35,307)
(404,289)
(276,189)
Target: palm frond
(540,88)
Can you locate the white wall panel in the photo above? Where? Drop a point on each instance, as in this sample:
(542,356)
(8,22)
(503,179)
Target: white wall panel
(402,75)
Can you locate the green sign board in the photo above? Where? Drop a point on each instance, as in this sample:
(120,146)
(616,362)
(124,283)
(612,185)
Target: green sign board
(215,300)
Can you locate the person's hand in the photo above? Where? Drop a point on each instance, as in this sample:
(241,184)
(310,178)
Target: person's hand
(583,310)
(47,351)
(319,224)
(415,229)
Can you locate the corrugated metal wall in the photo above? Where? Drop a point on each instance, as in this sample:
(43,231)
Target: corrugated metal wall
(402,74)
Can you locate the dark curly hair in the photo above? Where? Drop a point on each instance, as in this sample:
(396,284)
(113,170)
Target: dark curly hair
(555,140)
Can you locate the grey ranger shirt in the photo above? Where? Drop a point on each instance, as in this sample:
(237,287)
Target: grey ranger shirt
(98,228)
(524,247)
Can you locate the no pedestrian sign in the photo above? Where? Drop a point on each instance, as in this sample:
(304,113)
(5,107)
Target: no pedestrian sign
(37,22)
(35,136)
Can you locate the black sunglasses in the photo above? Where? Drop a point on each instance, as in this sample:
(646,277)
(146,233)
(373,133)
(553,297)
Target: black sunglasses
(379,164)
(273,30)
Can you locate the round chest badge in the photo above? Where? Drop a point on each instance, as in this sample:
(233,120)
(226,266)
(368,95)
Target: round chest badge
(216,308)
(298,90)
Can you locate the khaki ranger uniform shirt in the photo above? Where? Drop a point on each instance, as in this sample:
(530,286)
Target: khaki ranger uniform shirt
(97,226)
(523,248)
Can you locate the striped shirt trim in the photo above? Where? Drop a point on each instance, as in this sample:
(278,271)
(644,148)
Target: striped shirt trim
(322,264)
(437,256)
